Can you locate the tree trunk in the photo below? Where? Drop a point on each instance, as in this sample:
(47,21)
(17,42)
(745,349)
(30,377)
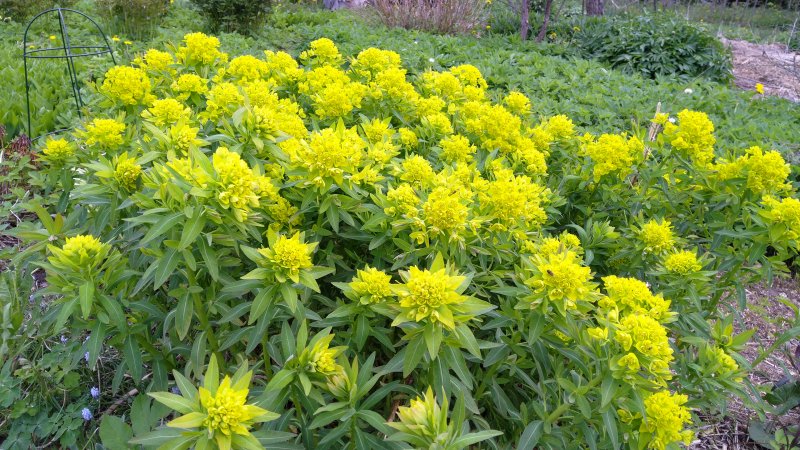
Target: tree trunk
(594,7)
(525,13)
(543,30)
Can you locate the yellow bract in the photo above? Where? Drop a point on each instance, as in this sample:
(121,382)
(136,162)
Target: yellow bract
(427,295)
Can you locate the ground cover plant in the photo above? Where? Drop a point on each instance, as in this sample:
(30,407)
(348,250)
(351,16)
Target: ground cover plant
(329,252)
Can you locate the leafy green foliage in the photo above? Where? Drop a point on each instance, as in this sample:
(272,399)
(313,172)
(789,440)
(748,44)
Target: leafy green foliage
(243,16)
(653,47)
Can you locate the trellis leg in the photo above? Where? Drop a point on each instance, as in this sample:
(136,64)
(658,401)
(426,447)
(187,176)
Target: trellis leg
(73,77)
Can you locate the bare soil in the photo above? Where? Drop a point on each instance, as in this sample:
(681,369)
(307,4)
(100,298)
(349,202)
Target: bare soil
(772,65)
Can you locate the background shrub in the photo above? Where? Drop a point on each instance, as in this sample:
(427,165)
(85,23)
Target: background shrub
(22,10)
(436,16)
(653,47)
(136,18)
(233,15)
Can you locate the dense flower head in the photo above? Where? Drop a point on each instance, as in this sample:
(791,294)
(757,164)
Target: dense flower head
(83,249)
(238,185)
(666,418)
(517,103)
(632,295)
(156,60)
(515,200)
(469,75)
(372,286)
(376,130)
(226,410)
(166,111)
(682,263)
(765,172)
(223,99)
(560,278)
(391,85)
(183,137)
(289,255)
(721,363)
(372,61)
(332,153)
(784,212)
(58,149)
(282,67)
(403,201)
(128,85)
(187,84)
(127,173)
(423,418)
(647,336)
(417,171)
(444,212)
(456,148)
(613,154)
(338,100)
(693,137)
(106,133)
(559,127)
(320,52)
(657,236)
(200,48)
(429,296)
(247,68)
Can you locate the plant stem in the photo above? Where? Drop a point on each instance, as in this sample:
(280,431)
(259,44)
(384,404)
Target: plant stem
(200,310)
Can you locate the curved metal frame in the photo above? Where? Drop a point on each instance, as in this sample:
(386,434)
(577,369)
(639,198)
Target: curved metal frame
(67,48)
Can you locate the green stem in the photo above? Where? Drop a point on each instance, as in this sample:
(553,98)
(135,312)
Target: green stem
(557,413)
(200,310)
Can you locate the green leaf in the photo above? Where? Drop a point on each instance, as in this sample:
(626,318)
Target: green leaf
(115,433)
(530,437)
(414,352)
(95,343)
(133,358)
(86,295)
(166,267)
(192,228)
(176,402)
(161,228)
(184,314)
(157,437)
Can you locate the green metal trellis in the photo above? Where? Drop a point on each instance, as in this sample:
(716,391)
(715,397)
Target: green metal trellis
(65,51)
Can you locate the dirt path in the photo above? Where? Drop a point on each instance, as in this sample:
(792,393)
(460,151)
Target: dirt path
(769,64)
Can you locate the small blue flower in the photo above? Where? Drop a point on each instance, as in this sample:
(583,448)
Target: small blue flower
(64,339)
(95,392)
(86,356)
(87,414)
(175,390)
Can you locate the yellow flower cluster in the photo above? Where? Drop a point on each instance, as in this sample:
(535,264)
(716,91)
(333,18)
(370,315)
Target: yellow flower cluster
(106,133)
(322,52)
(657,237)
(83,250)
(515,200)
(721,363)
(665,420)
(423,418)
(166,111)
(403,201)
(784,212)
(187,84)
(429,295)
(373,61)
(560,278)
(682,263)
(127,173)
(127,85)
(629,295)
(517,103)
(239,187)
(200,49)
(765,172)
(372,286)
(648,338)
(156,60)
(58,149)
(693,137)
(247,68)
(613,154)
(289,256)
